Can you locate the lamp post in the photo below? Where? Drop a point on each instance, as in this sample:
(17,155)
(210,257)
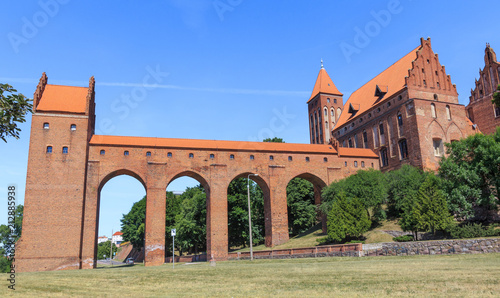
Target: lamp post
(250,216)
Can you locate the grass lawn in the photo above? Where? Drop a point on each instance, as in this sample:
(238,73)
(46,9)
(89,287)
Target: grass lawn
(418,276)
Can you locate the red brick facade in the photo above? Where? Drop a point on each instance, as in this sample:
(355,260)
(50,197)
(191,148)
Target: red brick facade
(480,109)
(406,113)
(63,184)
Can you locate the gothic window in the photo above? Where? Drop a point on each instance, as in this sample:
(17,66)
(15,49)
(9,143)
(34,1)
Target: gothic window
(375,136)
(325,111)
(332,114)
(433,111)
(365,139)
(356,141)
(338,113)
(403,149)
(350,143)
(382,134)
(448,113)
(383,157)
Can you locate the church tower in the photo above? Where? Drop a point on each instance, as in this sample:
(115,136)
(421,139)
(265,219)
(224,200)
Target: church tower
(325,106)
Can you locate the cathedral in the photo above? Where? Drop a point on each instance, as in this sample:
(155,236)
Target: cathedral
(406,113)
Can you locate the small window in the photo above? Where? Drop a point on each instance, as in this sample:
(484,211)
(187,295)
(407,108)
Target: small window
(191,155)
(438,147)
(433,111)
(439,86)
(436,97)
(231,156)
(423,70)
(325,159)
(497,111)
(307,159)
(355,163)
(400,97)
(103,152)
(365,139)
(350,143)
(49,149)
(334,100)
(148,153)
(436,72)
(389,104)
(428,61)
(126,153)
(400,120)
(169,154)
(378,110)
(425,83)
(448,113)
(362,164)
(369,115)
(73,127)
(212,156)
(328,100)
(65,150)
(271,157)
(345,163)
(290,158)
(45,125)
(252,157)
(372,165)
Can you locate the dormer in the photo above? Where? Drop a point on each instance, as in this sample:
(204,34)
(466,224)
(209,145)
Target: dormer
(381,90)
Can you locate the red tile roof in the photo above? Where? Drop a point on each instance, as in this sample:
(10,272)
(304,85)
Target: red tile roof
(69,99)
(391,80)
(211,144)
(324,85)
(118,233)
(356,152)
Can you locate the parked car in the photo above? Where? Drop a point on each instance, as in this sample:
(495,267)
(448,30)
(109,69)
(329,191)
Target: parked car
(130,261)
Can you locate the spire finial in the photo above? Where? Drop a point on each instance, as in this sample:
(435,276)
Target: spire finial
(487,44)
(322,67)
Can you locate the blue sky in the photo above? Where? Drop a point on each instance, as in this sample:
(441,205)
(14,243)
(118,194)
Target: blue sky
(225,69)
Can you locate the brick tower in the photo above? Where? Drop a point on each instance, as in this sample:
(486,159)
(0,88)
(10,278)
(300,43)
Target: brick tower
(62,125)
(325,106)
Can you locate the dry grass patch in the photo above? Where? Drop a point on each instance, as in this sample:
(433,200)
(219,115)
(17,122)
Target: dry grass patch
(417,276)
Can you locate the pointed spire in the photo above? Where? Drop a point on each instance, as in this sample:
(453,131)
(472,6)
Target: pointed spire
(324,84)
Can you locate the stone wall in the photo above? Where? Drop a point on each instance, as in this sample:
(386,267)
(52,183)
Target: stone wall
(465,246)
(340,250)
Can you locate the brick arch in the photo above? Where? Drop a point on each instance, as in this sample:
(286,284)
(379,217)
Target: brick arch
(121,172)
(192,174)
(260,180)
(453,132)
(436,130)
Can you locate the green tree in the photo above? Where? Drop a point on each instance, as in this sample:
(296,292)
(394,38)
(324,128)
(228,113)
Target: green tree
(301,208)
(403,185)
(9,236)
(103,250)
(496,97)
(190,221)
(348,218)
(431,207)
(369,186)
(173,208)
(470,174)
(133,224)
(274,140)
(13,109)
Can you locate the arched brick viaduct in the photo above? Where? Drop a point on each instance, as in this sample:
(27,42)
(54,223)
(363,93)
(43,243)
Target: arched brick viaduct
(63,187)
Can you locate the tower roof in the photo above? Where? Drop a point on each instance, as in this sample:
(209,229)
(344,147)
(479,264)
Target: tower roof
(324,85)
(67,99)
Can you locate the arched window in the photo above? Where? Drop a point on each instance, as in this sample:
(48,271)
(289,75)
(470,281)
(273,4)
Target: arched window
(126,153)
(382,133)
(169,154)
(345,163)
(49,149)
(231,156)
(438,147)
(338,113)
(332,114)
(403,149)
(148,153)
(191,155)
(350,143)
(448,113)
(328,100)
(271,157)
(290,158)
(103,152)
(45,125)
(433,111)
(365,139)
(355,163)
(362,164)
(212,156)
(375,136)
(325,159)
(325,111)
(252,157)
(383,157)
(72,127)
(307,159)
(65,150)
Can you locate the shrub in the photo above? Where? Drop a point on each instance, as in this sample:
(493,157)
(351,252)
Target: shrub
(471,231)
(380,214)
(403,238)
